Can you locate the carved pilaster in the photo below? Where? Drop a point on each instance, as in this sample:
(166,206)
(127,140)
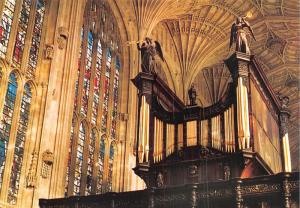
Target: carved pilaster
(285,146)
(286,192)
(238,194)
(151,202)
(194,197)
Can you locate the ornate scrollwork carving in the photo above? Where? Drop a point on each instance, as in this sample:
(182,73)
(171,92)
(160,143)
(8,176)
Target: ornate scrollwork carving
(260,188)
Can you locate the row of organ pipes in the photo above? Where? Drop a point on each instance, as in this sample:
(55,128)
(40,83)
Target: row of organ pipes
(164,134)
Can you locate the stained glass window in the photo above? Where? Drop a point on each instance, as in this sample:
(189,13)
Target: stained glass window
(36,37)
(87,75)
(95,89)
(5,25)
(79,159)
(110,167)
(78,68)
(19,146)
(106,90)
(101,165)
(90,167)
(21,32)
(5,125)
(115,98)
(97,84)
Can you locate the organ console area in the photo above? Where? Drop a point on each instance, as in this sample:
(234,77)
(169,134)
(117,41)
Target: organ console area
(242,135)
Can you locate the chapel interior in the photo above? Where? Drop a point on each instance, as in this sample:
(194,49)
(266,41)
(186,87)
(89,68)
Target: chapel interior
(84,124)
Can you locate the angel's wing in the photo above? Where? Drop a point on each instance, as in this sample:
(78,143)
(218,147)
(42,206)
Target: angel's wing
(159,51)
(232,35)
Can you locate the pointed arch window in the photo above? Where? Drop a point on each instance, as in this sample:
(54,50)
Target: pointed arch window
(87,74)
(110,166)
(106,90)
(36,37)
(21,32)
(79,159)
(90,162)
(19,145)
(6,122)
(70,153)
(78,68)
(5,25)
(115,98)
(97,83)
(92,101)
(101,165)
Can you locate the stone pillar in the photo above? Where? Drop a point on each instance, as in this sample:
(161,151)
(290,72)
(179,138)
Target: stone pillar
(285,146)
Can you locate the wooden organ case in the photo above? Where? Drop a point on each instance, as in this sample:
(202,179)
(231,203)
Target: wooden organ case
(243,135)
(234,153)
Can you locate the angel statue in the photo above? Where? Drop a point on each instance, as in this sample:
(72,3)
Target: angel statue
(149,51)
(238,35)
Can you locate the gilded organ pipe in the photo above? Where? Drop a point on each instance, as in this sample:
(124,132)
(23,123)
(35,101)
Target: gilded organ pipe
(144,131)
(243,115)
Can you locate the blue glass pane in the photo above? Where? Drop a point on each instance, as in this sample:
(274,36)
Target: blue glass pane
(5,124)
(19,146)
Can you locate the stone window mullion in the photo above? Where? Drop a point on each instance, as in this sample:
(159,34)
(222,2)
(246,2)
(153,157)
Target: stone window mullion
(73,157)
(103,68)
(28,36)
(85,160)
(93,71)
(82,67)
(95,165)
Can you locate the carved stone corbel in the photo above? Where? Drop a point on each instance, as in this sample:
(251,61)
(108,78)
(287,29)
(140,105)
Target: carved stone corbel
(49,52)
(62,38)
(48,159)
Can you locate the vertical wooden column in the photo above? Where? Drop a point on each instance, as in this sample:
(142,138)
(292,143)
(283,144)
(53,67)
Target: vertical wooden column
(237,190)
(144,82)
(286,193)
(238,64)
(285,146)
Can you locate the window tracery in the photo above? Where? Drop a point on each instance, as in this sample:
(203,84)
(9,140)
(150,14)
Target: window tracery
(19,89)
(96,99)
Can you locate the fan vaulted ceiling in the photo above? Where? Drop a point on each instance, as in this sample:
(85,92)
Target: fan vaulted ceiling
(194,35)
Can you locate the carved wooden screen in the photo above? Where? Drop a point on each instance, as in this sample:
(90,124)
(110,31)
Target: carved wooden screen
(265,129)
